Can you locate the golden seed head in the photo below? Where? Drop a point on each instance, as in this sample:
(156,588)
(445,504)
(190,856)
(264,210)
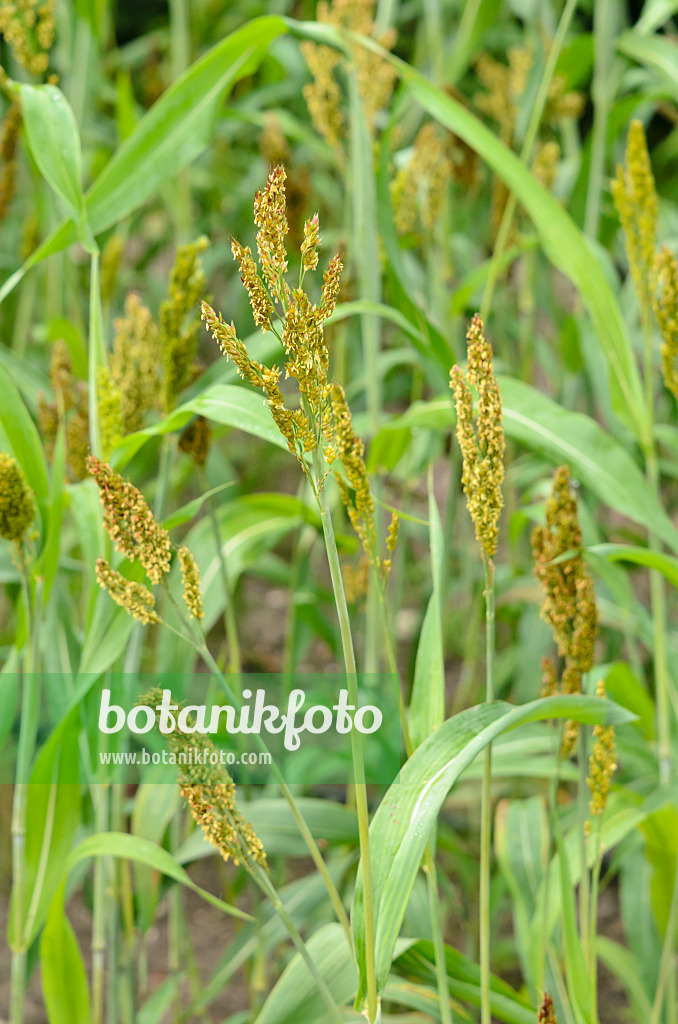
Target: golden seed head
(28,28)
(331,284)
(481,438)
(569,600)
(665,303)
(262,307)
(210,792)
(133,597)
(602,763)
(130,522)
(635,197)
(227,340)
(270,217)
(309,246)
(190,576)
(17,504)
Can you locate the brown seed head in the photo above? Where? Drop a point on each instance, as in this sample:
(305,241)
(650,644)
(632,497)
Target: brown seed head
(133,597)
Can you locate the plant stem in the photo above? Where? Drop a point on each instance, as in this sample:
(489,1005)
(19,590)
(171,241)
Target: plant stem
(30,709)
(356,749)
(584,889)
(667,969)
(486,806)
(438,939)
(99,915)
(604,35)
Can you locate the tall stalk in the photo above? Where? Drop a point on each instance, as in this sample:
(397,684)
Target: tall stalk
(486,806)
(356,749)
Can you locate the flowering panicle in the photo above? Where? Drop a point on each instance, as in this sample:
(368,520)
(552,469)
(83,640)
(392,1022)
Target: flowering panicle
(195,440)
(179,323)
(17,504)
(602,763)
(270,216)
(309,246)
(133,597)
(129,521)
(418,189)
(262,307)
(28,28)
(9,138)
(190,576)
(323,95)
(665,301)
(547,1014)
(635,198)
(481,439)
(302,321)
(569,604)
(134,362)
(210,793)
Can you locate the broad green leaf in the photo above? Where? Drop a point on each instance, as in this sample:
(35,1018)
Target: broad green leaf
(654,51)
(402,824)
(121,844)
(64,978)
(228,404)
(463,977)
(295,998)
(665,564)
(190,509)
(52,135)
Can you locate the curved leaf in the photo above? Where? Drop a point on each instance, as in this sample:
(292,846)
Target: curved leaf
(402,824)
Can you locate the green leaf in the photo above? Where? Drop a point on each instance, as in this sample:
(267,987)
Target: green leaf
(402,824)
(295,998)
(579,985)
(121,844)
(665,564)
(52,134)
(228,404)
(64,978)
(654,51)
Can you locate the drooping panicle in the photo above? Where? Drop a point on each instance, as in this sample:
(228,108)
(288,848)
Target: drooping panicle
(262,307)
(602,763)
(130,522)
(133,597)
(481,438)
(310,244)
(270,216)
(209,791)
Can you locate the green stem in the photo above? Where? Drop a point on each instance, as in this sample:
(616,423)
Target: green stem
(99,916)
(584,887)
(438,939)
(486,806)
(356,750)
(96,355)
(30,710)
(526,154)
(593,920)
(552,811)
(667,968)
